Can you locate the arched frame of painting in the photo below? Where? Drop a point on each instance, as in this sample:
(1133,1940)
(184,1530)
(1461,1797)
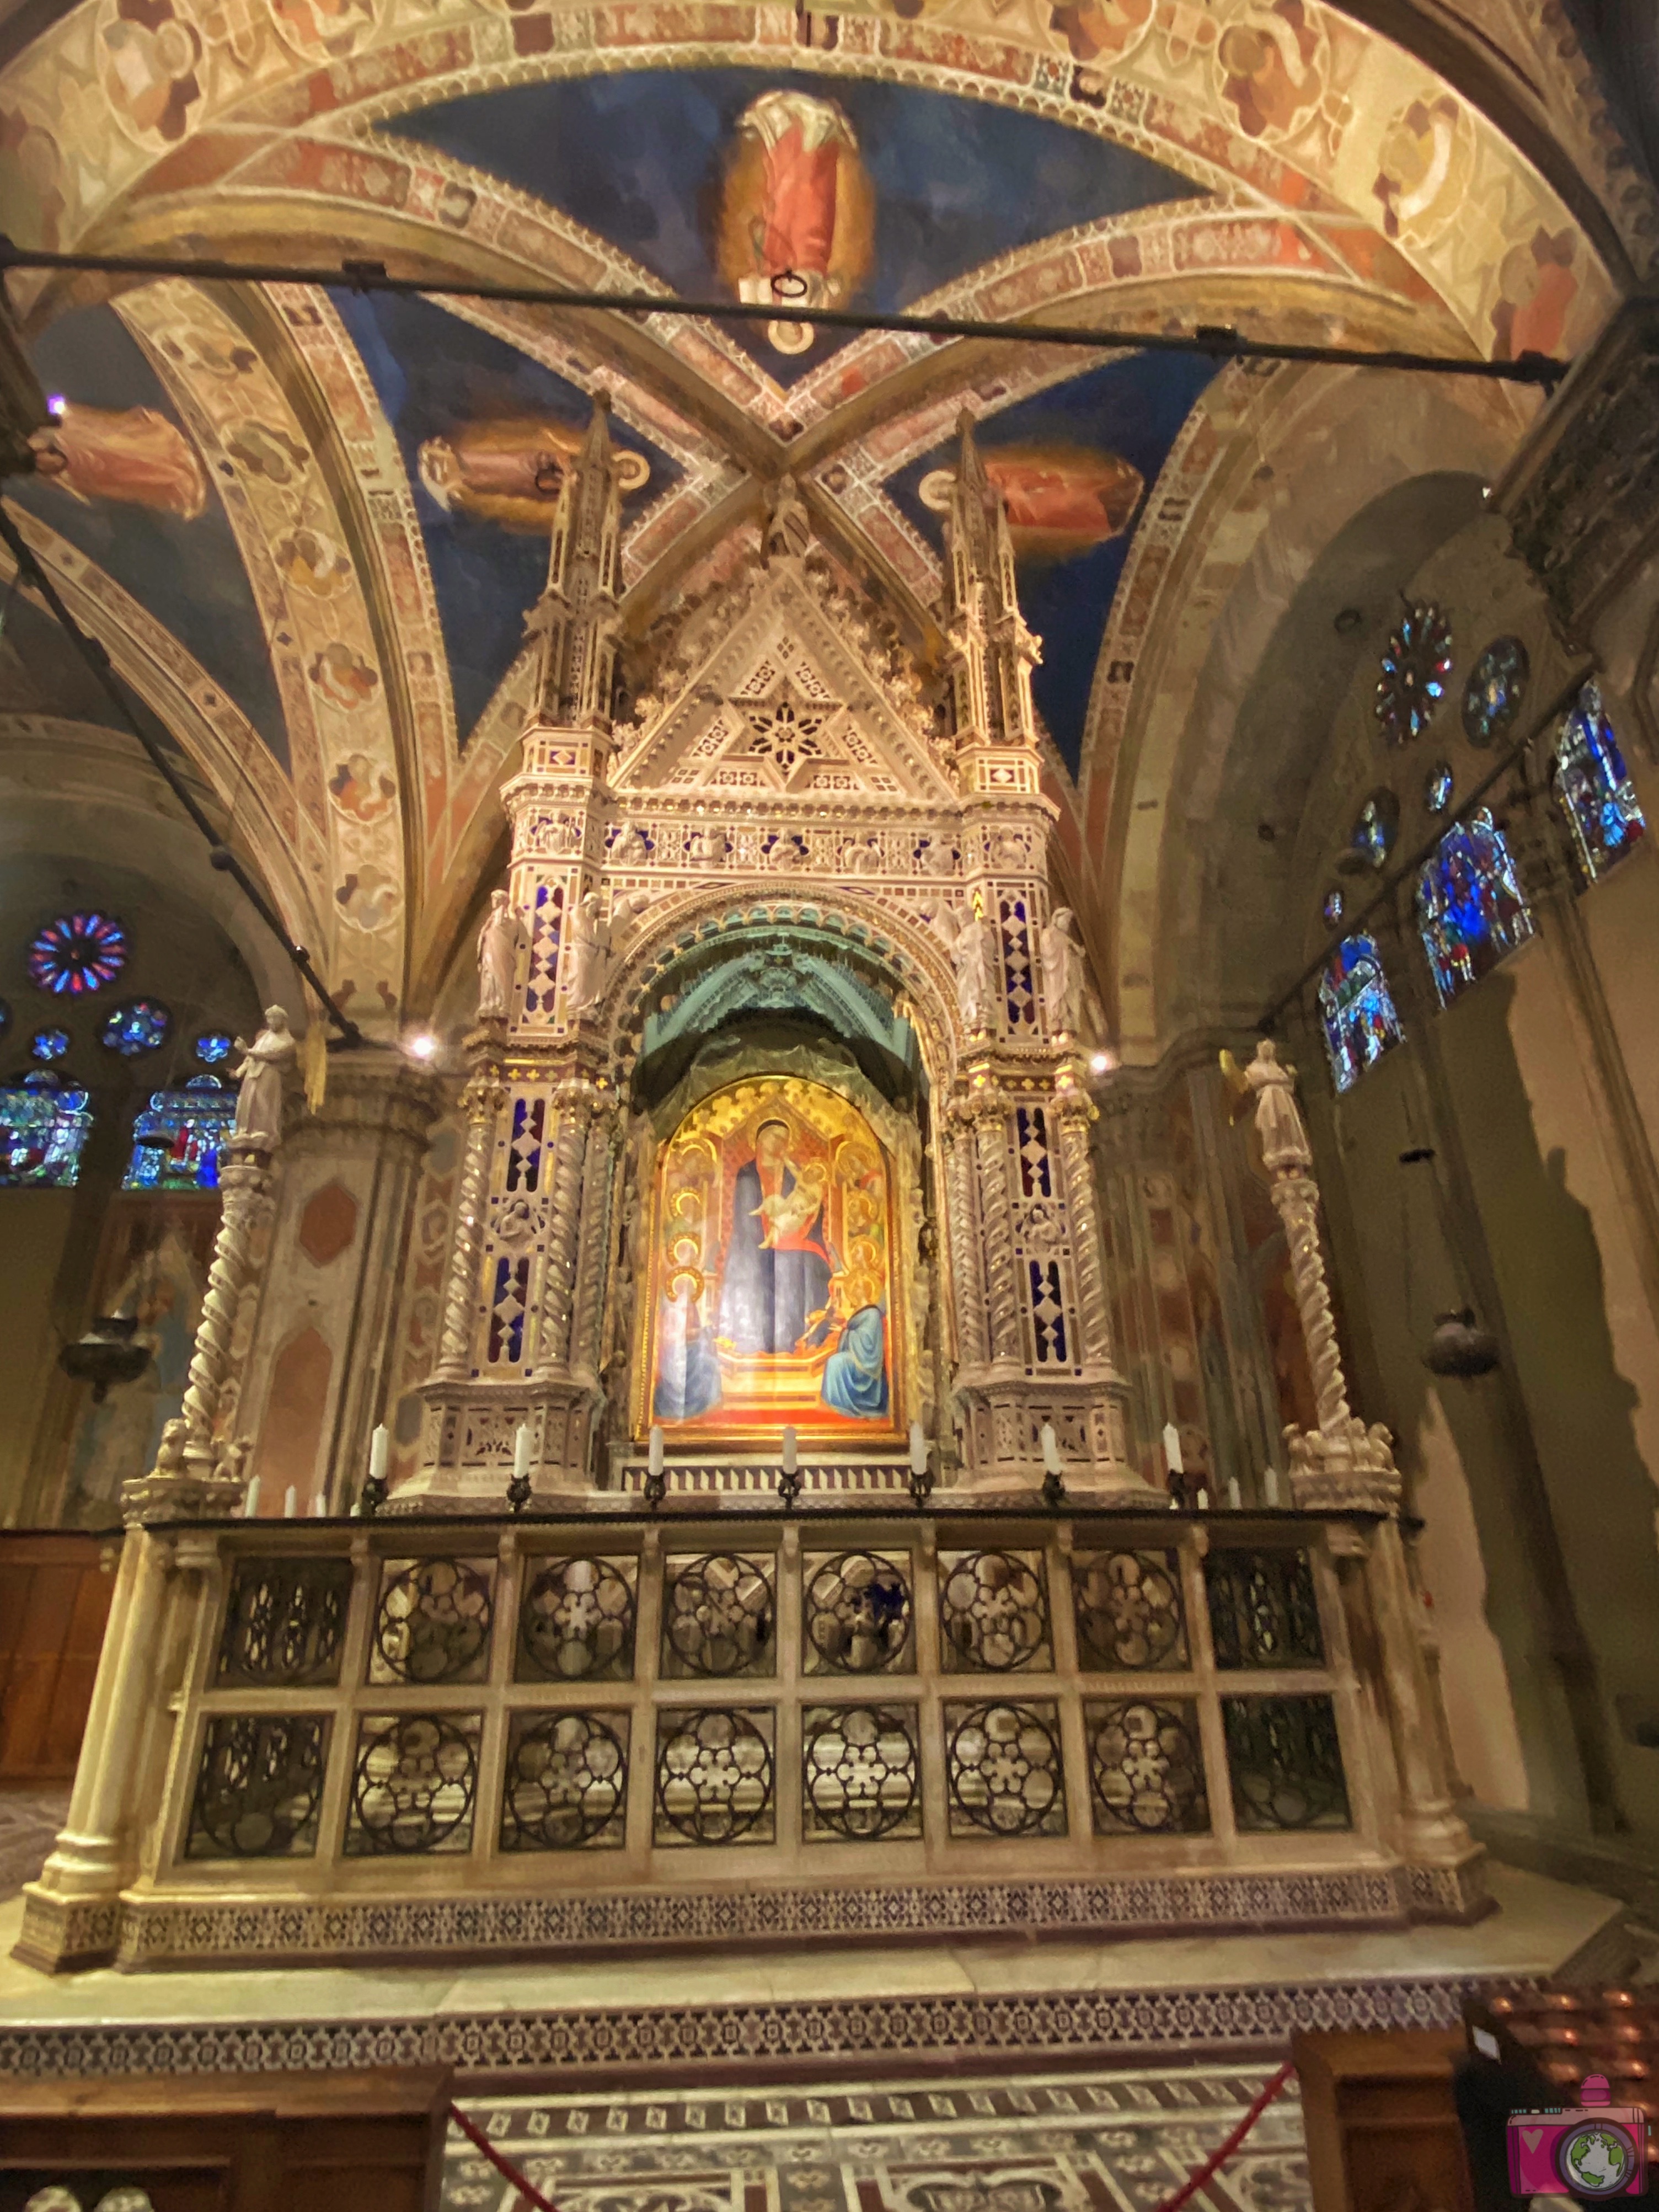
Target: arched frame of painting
(784,1215)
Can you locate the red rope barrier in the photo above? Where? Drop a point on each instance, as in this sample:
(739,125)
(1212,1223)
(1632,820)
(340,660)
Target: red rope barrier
(1189,2188)
(1219,2157)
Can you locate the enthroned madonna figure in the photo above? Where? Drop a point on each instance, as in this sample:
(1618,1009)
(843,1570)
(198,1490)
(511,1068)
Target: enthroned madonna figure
(777,1261)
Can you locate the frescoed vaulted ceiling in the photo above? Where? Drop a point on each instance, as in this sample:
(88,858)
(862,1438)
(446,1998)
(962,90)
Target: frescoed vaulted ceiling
(308,521)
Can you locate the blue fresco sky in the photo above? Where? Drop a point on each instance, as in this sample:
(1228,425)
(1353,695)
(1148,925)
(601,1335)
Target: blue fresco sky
(434,375)
(187,574)
(638,158)
(1132,407)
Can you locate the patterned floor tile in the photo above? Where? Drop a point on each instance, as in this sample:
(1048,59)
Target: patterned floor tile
(1118,2141)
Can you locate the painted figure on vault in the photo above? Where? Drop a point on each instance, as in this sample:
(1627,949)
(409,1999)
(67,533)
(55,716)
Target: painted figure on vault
(777,1267)
(797,215)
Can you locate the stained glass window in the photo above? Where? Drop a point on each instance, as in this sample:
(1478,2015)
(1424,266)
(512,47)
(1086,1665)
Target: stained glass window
(1374,828)
(1416,667)
(138,1026)
(1357,1008)
(1332,910)
(213,1046)
(48,1045)
(176,1138)
(43,1126)
(1493,695)
(5,1017)
(1594,789)
(78,953)
(1438,789)
(1469,907)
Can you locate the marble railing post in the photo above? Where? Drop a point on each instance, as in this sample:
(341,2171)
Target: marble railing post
(72,1912)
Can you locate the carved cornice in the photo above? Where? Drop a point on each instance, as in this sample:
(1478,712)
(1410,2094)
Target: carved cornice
(1582,496)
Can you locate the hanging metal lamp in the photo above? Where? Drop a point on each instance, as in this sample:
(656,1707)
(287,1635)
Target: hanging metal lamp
(106,1354)
(1459,1346)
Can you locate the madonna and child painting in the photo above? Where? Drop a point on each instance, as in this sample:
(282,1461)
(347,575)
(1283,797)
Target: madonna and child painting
(771,1288)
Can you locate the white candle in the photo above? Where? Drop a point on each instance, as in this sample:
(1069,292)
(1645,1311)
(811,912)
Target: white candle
(1270,1484)
(789,1451)
(251,1503)
(1051,1459)
(1172,1448)
(1174,1503)
(654,1460)
(917,1450)
(379,1451)
(1203,1501)
(521,1453)
(319,1507)
(1234,1497)
(290,1502)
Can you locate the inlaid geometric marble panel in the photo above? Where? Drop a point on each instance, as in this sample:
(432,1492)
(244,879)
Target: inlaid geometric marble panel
(1073,2142)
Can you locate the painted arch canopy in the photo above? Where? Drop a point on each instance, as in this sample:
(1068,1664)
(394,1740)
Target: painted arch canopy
(771,1299)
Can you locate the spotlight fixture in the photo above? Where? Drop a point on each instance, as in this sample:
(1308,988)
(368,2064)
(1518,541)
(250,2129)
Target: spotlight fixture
(422,1046)
(1101,1063)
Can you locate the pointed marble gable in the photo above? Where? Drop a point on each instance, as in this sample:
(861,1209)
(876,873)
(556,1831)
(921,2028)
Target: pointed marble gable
(797,698)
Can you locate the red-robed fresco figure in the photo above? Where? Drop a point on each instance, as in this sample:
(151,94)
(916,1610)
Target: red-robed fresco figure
(796,221)
(130,453)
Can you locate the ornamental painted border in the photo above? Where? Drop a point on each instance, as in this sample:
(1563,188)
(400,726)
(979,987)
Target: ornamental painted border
(627,2039)
(143,1933)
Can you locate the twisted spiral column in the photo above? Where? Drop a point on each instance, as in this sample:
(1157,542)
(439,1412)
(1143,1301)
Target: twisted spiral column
(245,1184)
(564,1229)
(997,1229)
(482,1100)
(1297,1200)
(594,1248)
(1088,1249)
(967,1262)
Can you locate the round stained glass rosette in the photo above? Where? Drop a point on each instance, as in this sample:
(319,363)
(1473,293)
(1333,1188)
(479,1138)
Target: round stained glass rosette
(78,953)
(138,1026)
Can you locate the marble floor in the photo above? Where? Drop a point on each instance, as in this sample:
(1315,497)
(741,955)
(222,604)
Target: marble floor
(1117,2141)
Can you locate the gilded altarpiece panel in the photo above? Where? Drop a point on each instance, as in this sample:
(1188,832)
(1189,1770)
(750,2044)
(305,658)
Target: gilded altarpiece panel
(775,1288)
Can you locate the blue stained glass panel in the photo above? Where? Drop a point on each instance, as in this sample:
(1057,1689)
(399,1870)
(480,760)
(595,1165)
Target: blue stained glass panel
(139,1026)
(176,1138)
(43,1127)
(1358,1010)
(1332,910)
(1470,911)
(78,953)
(213,1046)
(1375,826)
(49,1044)
(1438,789)
(1594,787)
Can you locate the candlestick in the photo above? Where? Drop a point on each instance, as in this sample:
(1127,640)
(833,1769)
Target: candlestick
(1270,1484)
(319,1507)
(290,1502)
(251,1503)
(1172,1448)
(917,1450)
(654,1457)
(518,1491)
(373,1491)
(1235,1496)
(1051,1459)
(789,1454)
(1203,1501)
